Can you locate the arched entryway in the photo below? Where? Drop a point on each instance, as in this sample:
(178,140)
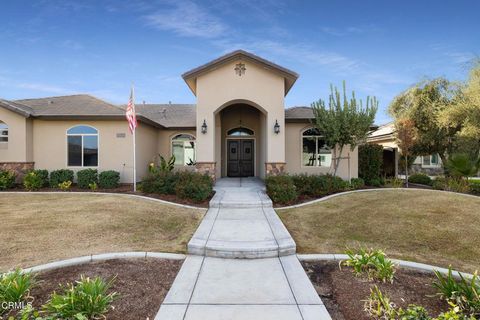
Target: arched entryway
(242,149)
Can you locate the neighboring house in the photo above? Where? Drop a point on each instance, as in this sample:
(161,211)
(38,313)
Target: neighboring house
(239,127)
(384,135)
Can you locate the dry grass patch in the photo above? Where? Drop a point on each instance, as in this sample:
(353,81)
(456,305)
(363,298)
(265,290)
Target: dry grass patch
(38,228)
(424,226)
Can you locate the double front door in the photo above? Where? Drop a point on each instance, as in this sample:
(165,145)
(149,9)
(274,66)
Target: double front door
(240,158)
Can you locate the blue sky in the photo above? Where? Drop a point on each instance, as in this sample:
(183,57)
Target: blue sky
(58,47)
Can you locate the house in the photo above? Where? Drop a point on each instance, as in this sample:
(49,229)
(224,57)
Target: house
(384,135)
(239,127)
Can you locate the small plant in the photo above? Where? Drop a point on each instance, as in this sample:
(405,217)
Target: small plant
(413,312)
(373,263)
(15,287)
(86,177)
(464,293)
(59,176)
(93,186)
(420,178)
(379,306)
(395,183)
(32,181)
(109,179)
(475,186)
(64,186)
(86,299)
(7,179)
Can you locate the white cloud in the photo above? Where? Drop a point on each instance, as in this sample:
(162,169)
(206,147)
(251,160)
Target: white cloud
(186,18)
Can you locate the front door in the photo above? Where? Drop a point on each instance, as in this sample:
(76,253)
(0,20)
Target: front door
(240,158)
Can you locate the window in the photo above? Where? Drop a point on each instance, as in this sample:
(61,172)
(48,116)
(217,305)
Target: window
(239,132)
(314,151)
(3,132)
(82,146)
(183,148)
(431,160)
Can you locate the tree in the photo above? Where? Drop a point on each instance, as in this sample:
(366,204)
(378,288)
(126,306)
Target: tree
(405,135)
(466,113)
(423,104)
(344,122)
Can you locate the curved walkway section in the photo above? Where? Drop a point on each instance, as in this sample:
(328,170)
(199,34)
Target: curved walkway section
(267,283)
(241,223)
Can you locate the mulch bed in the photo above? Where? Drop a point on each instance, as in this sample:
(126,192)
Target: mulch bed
(141,283)
(125,189)
(343,294)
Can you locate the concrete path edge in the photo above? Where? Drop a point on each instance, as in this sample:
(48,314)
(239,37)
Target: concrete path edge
(403,263)
(103,257)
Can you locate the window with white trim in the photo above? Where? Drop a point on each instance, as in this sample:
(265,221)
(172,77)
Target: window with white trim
(315,152)
(183,148)
(3,132)
(82,146)
(431,160)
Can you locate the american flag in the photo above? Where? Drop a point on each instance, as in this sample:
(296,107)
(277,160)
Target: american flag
(130,113)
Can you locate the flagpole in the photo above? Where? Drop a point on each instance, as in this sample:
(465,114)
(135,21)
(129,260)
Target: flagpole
(134,149)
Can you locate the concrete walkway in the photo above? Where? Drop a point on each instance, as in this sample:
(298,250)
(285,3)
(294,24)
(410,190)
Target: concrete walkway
(264,281)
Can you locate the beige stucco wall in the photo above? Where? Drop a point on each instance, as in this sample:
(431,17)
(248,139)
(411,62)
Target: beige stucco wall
(16,150)
(50,146)
(293,143)
(222,87)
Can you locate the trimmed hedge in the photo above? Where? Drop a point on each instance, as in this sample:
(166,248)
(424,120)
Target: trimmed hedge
(282,188)
(7,179)
(34,180)
(43,174)
(86,177)
(59,176)
(193,186)
(109,179)
(370,161)
(420,178)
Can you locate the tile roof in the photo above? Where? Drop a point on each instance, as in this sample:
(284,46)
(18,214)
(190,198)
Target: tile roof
(84,106)
(74,105)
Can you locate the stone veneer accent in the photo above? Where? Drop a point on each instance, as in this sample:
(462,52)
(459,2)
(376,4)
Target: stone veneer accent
(20,168)
(274,168)
(206,168)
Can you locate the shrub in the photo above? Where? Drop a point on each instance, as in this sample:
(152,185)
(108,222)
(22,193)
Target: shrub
(377,182)
(7,179)
(59,176)
(194,186)
(87,299)
(65,185)
(44,176)
(370,160)
(413,312)
(160,182)
(109,179)
(281,189)
(475,186)
(86,177)
(395,182)
(373,263)
(420,178)
(32,181)
(15,287)
(357,183)
(463,293)
(318,185)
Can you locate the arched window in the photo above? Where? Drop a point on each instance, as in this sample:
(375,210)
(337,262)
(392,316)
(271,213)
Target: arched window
(82,146)
(3,132)
(239,132)
(183,148)
(314,151)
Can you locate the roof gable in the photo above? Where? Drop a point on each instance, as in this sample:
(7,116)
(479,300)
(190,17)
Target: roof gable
(191,76)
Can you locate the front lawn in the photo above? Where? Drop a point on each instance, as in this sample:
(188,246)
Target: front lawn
(419,225)
(39,228)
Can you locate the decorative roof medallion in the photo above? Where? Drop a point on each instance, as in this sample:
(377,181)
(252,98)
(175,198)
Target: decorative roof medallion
(240,69)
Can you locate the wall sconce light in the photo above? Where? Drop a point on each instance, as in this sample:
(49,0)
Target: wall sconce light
(204,127)
(276,127)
